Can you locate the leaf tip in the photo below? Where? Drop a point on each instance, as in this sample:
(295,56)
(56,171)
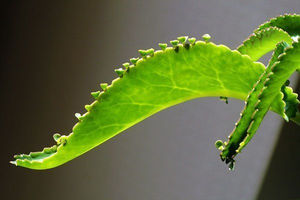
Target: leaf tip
(13,163)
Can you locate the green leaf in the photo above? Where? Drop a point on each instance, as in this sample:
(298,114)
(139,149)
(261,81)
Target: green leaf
(289,23)
(173,75)
(263,42)
(155,83)
(260,100)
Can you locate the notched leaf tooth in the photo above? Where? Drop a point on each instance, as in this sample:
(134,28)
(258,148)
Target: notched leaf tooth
(49,150)
(37,156)
(174,42)
(163,46)
(62,140)
(120,72)
(126,65)
(143,53)
(290,102)
(150,52)
(56,137)
(219,145)
(95,94)
(206,37)
(34,154)
(175,45)
(192,40)
(88,107)
(103,86)
(182,39)
(134,60)
(79,116)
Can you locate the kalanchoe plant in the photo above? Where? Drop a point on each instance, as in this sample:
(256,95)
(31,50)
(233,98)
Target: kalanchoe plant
(189,69)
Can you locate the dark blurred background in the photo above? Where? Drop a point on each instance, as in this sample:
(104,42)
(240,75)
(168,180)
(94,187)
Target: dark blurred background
(57,52)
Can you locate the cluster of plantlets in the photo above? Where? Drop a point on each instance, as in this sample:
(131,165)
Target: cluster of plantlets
(189,69)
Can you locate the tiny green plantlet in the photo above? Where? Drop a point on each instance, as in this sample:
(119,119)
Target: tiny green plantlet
(189,69)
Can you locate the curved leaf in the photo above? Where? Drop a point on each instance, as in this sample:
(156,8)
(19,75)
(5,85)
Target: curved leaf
(161,79)
(259,101)
(263,42)
(289,23)
(155,82)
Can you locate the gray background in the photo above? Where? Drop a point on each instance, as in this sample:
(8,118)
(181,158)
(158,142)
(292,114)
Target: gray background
(57,52)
